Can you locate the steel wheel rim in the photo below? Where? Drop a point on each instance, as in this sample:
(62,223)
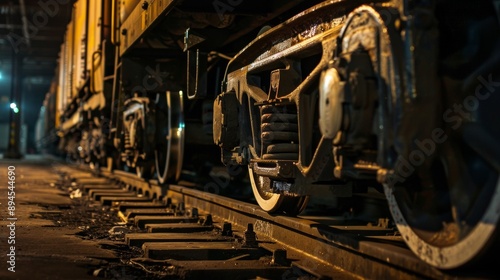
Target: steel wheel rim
(269,202)
(273,202)
(170,146)
(464,235)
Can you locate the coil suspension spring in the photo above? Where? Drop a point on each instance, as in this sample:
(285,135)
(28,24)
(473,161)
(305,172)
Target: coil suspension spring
(279,132)
(126,140)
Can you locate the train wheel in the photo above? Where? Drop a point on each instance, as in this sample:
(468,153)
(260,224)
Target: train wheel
(145,169)
(170,138)
(142,160)
(273,202)
(444,198)
(113,162)
(448,213)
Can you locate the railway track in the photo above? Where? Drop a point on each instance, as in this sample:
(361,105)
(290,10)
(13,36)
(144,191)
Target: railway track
(183,232)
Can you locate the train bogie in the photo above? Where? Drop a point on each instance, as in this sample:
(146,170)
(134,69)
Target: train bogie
(376,94)
(274,83)
(436,196)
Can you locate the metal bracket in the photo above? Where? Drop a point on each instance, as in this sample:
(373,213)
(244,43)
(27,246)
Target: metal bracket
(191,39)
(283,169)
(196,74)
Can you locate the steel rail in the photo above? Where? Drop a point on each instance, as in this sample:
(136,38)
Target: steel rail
(312,243)
(316,247)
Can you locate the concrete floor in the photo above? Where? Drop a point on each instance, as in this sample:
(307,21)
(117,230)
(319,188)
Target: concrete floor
(42,250)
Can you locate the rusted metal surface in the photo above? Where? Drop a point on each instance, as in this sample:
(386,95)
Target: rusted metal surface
(108,200)
(142,221)
(196,250)
(181,227)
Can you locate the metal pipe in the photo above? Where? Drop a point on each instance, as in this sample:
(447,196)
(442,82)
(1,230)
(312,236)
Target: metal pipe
(13,148)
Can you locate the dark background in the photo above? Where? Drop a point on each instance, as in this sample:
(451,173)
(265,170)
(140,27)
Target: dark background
(45,24)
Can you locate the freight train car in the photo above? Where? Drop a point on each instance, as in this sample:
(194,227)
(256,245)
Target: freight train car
(46,140)
(312,97)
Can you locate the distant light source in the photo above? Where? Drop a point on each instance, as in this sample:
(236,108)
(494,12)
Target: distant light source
(14,107)
(1,75)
